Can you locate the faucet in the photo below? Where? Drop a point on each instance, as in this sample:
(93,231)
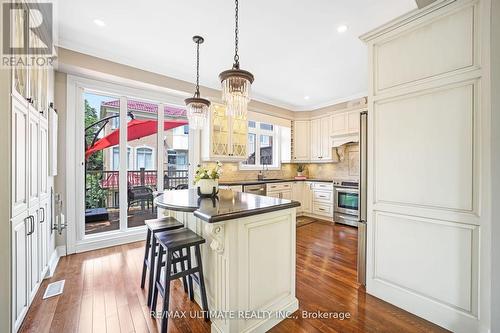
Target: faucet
(261,175)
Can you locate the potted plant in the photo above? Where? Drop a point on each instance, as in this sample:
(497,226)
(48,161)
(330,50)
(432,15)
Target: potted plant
(300,170)
(207,178)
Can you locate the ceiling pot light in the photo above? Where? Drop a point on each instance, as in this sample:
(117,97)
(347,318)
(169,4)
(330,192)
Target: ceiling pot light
(236,82)
(197,107)
(342,28)
(99,23)
(306,97)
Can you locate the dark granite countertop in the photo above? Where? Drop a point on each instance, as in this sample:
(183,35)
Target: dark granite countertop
(268,181)
(229,205)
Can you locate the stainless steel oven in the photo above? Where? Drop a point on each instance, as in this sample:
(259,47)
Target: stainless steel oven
(346,203)
(347,200)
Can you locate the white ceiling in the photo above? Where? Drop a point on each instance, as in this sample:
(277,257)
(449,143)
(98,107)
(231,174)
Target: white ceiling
(292,47)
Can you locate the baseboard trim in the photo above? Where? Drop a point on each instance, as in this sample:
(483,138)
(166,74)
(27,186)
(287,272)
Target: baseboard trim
(53,261)
(319,217)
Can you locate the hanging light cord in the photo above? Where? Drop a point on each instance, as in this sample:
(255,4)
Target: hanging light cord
(197,93)
(236,56)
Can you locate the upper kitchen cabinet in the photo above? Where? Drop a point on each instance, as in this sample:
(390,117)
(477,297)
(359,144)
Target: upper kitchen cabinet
(320,146)
(301,141)
(224,137)
(345,123)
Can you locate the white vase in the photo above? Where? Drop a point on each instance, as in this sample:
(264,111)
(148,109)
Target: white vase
(206,186)
(300,173)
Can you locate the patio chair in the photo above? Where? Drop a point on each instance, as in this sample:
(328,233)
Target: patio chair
(142,194)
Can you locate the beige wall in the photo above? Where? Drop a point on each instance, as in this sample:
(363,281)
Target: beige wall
(60,179)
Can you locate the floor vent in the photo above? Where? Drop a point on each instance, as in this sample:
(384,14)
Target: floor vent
(54,289)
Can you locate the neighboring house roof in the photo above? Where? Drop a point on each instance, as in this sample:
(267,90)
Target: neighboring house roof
(170,111)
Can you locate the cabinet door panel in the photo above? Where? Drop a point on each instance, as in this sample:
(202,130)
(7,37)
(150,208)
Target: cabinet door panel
(301,139)
(353,122)
(44,159)
(19,268)
(20,139)
(326,149)
(316,140)
(286,195)
(34,130)
(339,124)
(43,240)
(33,258)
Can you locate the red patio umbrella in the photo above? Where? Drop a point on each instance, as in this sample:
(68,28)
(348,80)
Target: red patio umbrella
(136,129)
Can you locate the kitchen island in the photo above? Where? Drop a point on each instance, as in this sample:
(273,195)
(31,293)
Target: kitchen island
(248,257)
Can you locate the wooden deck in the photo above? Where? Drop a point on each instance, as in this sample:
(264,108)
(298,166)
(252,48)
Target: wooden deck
(103,294)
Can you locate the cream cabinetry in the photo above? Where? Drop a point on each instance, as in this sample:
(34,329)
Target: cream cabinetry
(321,150)
(345,123)
(234,188)
(429,164)
(279,190)
(31,235)
(224,137)
(301,141)
(19,239)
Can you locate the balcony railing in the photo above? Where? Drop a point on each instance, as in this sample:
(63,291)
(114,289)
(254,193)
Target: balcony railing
(102,187)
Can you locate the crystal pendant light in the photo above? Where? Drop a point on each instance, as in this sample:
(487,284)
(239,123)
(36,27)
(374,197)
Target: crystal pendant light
(236,83)
(197,107)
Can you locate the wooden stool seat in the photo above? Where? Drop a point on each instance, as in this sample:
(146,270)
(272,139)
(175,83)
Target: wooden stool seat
(172,245)
(179,238)
(162,224)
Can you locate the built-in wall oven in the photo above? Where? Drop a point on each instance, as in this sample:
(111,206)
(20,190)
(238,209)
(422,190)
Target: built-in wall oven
(346,202)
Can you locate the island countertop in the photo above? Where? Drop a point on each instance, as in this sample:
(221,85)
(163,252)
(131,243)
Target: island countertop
(227,206)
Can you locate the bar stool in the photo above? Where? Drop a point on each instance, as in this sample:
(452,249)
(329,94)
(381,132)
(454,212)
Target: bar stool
(155,226)
(169,243)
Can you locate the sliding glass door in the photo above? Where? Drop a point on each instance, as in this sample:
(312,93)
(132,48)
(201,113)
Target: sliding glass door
(134,148)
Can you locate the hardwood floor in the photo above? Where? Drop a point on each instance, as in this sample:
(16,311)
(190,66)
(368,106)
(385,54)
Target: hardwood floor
(102,292)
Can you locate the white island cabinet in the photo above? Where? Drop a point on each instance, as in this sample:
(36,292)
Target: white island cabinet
(248,257)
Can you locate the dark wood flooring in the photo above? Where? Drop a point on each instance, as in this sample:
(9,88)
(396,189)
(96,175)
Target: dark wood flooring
(102,292)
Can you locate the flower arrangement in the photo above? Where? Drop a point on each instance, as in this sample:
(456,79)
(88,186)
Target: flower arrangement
(208,173)
(301,168)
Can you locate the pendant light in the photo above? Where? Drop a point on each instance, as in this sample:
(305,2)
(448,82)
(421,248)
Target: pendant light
(197,107)
(236,82)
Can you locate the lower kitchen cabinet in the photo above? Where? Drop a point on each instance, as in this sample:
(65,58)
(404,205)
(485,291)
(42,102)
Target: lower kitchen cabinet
(21,226)
(279,190)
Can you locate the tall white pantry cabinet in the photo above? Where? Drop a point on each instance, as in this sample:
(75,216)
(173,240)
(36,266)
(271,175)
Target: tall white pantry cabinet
(32,241)
(32,237)
(428,201)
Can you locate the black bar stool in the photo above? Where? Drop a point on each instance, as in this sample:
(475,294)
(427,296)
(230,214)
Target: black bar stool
(155,226)
(171,242)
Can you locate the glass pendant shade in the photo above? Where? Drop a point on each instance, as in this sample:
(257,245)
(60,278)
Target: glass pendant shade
(197,110)
(236,85)
(197,107)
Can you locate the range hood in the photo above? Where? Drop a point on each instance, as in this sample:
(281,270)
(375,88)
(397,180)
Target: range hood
(340,140)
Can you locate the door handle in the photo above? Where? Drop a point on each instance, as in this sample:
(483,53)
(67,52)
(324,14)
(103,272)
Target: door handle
(43,214)
(28,232)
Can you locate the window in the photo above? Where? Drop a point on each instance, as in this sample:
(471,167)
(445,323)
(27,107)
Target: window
(262,147)
(177,159)
(144,158)
(186,129)
(115,161)
(115,123)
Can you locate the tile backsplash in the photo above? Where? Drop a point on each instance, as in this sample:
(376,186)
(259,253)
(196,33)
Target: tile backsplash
(347,168)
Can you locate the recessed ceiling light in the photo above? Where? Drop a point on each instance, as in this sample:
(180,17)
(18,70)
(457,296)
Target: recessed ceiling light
(306,97)
(99,23)
(342,28)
